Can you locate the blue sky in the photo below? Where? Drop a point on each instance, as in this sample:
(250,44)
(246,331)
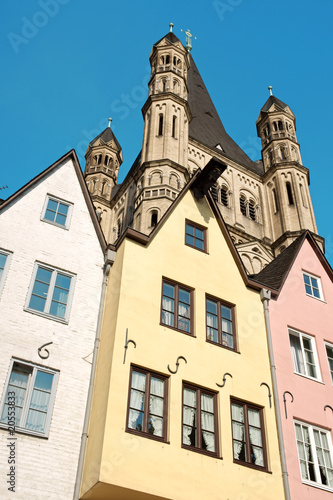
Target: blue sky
(70,64)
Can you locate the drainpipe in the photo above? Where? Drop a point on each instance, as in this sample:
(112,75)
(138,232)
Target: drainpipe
(109,260)
(265,296)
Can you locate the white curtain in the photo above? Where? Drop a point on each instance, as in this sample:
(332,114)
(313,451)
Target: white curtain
(237,429)
(156,405)
(255,437)
(296,354)
(189,414)
(167,314)
(137,397)
(207,421)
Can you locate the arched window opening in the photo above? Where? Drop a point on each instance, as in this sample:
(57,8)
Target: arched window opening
(153,218)
(174,123)
(252,210)
(289,193)
(160,124)
(280,125)
(242,202)
(214,192)
(224,196)
(275,200)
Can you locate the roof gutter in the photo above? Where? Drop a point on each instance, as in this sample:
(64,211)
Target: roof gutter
(108,262)
(265,296)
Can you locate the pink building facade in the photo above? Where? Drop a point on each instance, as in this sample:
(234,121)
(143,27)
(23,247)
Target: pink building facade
(301,321)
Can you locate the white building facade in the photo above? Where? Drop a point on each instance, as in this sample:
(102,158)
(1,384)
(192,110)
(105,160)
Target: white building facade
(51,272)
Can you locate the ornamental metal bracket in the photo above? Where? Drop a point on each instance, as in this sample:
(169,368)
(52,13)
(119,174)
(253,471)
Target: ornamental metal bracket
(285,401)
(269,393)
(177,364)
(224,379)
(328,406)
(46,350)
(128,341)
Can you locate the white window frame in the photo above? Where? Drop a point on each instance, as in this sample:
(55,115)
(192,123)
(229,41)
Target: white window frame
(301,336)
(327,344)
(8,256)
(305,273)
(57,200)
(49,297)
(313,448)
(28,395)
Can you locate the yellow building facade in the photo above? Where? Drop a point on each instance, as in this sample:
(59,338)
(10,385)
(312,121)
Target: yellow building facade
(181,407)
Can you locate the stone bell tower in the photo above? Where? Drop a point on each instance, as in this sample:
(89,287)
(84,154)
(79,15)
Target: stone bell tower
(103,159)
(163,166)
(285,178)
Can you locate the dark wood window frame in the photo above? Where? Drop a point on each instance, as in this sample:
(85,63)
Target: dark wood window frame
(146,429)
(177,287)
(198,427)
(196,240)
(246,443)
(230,306)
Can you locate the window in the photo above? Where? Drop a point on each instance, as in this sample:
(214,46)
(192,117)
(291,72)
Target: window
(329,352)
(200,420)
(315,454)
(252,210)
(242,203)
(160,124)
(57,212)
(29,397)
(4,263)
(220,323)
(147,406)
(51,292)
(312,286)
(303,353)
(248,434)
(289,193)
(176,306)
(195,236)
(224,196)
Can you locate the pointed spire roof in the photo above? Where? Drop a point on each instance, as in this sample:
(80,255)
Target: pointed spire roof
(170,36)
(106,136)
(273,100)
(206,126)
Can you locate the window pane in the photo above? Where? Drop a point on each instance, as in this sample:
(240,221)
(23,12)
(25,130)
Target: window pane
(44,381)
(168,290)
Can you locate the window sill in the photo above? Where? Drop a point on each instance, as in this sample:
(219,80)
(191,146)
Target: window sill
(146,435)
(189,334)
(223,346)
(317,485)
(20,430)
(202,452)
(55,224)
(316,298)
(310,378)
(253,466)
(46,315)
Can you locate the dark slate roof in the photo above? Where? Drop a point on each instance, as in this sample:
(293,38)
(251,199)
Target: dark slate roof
(206,126)
(273,100)
(170,36)
(274,273)
(107,135)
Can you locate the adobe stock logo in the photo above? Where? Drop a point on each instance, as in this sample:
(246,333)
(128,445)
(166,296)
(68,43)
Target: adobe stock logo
(31,27)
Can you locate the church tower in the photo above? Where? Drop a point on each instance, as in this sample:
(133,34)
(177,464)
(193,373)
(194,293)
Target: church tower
(166,113)
(286,179)
(103,159)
